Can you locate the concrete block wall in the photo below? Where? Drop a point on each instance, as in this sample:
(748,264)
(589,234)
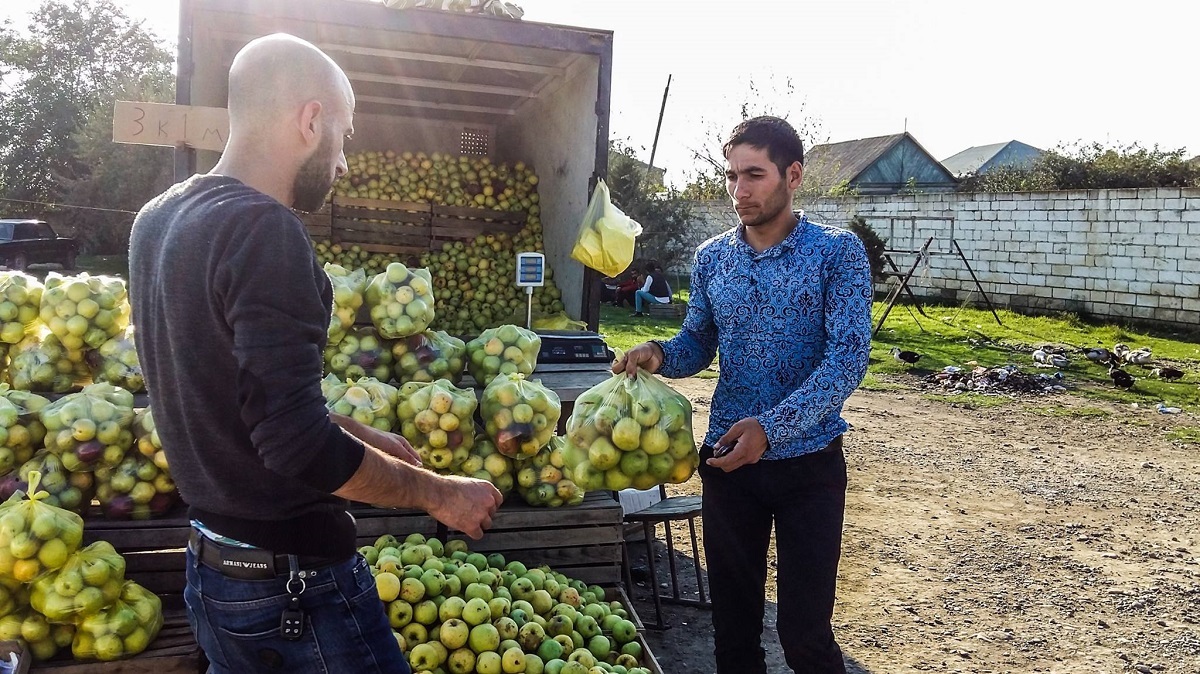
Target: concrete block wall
(1131,253)
(1120,254)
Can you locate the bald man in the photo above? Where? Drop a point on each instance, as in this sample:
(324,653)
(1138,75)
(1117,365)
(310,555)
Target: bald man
(232,310)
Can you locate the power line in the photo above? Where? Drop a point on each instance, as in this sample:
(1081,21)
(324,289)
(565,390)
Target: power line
(84,208)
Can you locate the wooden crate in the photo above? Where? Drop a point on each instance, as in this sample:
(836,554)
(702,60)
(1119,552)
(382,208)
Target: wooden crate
(582,542)
(381,226)
(153,549)
(318,223)
(455,222)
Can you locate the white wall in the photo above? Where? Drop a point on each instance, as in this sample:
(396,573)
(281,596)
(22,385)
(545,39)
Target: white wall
(1132,253)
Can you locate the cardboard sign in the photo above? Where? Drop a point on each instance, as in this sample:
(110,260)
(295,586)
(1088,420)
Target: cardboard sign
(171,125)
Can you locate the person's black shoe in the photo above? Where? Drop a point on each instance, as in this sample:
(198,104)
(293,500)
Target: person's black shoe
(636,314)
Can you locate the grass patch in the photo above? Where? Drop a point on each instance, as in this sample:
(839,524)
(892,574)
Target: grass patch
(874,383)
(1184,435)
(970,401)
(623,331)
(1071,412)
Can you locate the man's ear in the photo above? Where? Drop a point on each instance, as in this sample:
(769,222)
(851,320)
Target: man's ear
(795,175)
(310,122)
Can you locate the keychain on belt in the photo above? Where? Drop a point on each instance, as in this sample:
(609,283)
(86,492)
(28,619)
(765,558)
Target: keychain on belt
(291,625)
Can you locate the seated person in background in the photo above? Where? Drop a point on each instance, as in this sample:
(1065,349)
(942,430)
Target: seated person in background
(654,289)
(608,290)
(627,288)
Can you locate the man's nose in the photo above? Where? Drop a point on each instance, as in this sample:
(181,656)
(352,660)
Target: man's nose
(341,167)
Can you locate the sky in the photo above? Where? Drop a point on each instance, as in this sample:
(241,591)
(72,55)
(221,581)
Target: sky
(953,73)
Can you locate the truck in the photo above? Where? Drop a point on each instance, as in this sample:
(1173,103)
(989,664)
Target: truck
(438,81)
(25,241)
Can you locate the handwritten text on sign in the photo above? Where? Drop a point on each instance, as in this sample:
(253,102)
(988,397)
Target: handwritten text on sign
(165,124)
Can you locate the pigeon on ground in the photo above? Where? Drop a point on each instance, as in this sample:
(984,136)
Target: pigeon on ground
(910,357)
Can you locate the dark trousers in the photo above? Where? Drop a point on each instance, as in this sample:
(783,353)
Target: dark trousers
(805,498)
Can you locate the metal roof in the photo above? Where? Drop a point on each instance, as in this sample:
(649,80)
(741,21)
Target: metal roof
(975,159)
(836,163)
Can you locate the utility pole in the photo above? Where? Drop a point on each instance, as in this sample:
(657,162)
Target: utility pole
(658,129)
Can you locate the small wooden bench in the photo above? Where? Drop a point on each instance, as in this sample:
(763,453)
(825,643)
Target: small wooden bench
(669,310)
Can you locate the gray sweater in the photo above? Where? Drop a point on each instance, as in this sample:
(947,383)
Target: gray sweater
(231,308)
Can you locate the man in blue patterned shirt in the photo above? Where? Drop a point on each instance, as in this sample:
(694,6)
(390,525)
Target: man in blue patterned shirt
(786,303)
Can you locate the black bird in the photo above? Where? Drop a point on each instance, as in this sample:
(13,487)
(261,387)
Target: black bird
(910,357)
(1120,377)
(1167,373)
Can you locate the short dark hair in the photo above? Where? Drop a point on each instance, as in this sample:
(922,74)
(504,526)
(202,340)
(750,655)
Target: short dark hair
(783,144)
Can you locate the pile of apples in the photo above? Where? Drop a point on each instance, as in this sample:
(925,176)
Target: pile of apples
(461,612)
(545,480)
(116,362)
(136,488)
(352,256)
(40,362)
(91,428)
(466,181)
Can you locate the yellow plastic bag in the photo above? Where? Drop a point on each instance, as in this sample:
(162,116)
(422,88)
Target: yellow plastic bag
(508,349)
(348,288)
(429,356)
(35,537)
(91,428)
(607,236)
(90,580)
(486,463)
(122,630)
(366,400)
(20,304)
(22,430)
(44,639)
(631,433)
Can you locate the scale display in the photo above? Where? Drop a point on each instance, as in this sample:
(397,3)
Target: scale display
(531,270)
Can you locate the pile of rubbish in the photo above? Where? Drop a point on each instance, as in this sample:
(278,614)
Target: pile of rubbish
(999,379)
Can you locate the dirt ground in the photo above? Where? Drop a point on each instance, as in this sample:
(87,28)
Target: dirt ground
(995,540)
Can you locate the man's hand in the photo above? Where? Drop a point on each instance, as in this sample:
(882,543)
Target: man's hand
(647,356)
(388,443)
(466,504)
(748,442)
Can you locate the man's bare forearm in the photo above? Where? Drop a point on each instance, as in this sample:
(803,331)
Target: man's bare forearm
(386,481)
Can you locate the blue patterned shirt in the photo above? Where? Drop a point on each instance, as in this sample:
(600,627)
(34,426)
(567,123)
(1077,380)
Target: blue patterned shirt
(792,325)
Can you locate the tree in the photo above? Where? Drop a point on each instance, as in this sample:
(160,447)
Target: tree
(64,72)
(1091,166)
(665,217)
(767,96)
(874,244)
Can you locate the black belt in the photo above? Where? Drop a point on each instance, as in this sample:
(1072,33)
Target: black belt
(249,563)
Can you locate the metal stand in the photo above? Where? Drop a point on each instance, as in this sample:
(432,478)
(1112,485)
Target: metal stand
(923,255)
(529,307)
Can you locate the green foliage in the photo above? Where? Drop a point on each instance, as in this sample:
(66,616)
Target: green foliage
(64,71)
(665,216)
(875,245)
(1091,166)
(706,187)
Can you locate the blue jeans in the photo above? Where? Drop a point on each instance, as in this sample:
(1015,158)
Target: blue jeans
(236,622)
(643,296)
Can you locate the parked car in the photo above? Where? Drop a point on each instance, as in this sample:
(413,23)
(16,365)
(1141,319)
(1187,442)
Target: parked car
(26,242)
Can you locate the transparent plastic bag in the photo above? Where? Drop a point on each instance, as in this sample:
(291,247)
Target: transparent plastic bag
(361,353)
(401,301)
(519,415)
(20,427)
(84,310)
(508,349)
(631,433)
(367,401)
(116,362)
(145,434)
(438,418)
(429,356)
(20,304)
(348,289)
(40,362)
(607,236)
(135,489)
(91,428)
(91,580)
(35,537)
(484,462)
(122,630)
(544,480)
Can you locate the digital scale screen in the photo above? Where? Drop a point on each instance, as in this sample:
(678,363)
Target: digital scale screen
(531,270)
